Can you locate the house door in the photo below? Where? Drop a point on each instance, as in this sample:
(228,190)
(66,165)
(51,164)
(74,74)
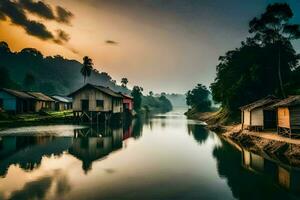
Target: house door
(85,105)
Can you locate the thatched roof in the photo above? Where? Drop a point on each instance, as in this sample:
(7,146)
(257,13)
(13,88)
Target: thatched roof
(265,102)
(40,96)
(105,90)
(62,99)
(290,101)
(18,94)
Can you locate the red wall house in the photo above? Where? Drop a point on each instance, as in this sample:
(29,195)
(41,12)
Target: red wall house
(127,103)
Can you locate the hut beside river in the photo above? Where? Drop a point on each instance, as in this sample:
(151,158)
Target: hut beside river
(255,116)
(288,114)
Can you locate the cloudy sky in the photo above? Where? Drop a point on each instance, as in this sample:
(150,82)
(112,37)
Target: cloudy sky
(162,45)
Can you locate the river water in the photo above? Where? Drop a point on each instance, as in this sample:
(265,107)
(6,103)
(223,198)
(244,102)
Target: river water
(160,157)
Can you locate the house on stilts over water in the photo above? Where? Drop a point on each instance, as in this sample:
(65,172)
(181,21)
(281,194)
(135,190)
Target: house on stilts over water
(258,115)
(94,102)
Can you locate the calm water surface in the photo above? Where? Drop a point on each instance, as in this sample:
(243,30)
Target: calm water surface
(162,157)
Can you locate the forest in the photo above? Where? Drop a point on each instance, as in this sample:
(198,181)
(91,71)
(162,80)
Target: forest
(266,63)
(30,70)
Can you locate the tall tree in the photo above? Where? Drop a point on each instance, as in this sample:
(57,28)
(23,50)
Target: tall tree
(198,98)
(273,28)
(124,82)
(137,97)
(87,68)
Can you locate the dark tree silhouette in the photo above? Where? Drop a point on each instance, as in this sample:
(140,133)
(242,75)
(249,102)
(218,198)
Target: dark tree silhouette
(137,97)
(124,82)
(87,67)
(198,98)
(29,81)
(273,28)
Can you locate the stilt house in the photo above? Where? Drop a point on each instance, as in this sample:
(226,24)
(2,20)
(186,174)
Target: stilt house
(92,100)
(255,116)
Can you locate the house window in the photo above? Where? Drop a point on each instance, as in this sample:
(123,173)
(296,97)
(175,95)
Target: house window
(100,103)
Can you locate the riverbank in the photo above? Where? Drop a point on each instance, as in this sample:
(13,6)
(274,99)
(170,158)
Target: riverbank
(277,147)
(9,120)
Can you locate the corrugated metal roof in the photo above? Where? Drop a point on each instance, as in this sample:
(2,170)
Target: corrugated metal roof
(40,96)
(17,93)
(126,96)
(290,101)
(267,101)
(62,99)
(105,90)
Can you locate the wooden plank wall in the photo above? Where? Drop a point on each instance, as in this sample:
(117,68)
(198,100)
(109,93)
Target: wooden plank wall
(283,117)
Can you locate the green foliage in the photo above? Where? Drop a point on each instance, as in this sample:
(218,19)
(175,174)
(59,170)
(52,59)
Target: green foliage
(29,81)
(161,103)
(165,103)
(87,68)
(265,64)
(124,82)
(137,97)
(198,98)
(52,73)
(5,80)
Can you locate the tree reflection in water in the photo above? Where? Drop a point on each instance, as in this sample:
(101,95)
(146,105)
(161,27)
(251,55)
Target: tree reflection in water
(251,176)
(199,132)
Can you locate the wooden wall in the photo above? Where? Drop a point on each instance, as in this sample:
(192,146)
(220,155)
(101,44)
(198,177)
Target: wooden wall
(283,117)
(246,118)
(295,116)
(9,101)
(257,117)
(92,95)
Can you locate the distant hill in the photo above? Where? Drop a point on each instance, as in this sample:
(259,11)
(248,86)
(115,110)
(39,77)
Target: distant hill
(50,74)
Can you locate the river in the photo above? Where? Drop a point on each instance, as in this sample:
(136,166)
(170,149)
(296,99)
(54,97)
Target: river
(161,157)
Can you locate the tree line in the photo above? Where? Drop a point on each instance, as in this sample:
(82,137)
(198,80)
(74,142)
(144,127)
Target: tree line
(266,63)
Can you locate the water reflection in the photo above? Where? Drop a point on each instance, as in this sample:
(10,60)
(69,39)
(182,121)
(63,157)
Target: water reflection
(251,176)
(138,160)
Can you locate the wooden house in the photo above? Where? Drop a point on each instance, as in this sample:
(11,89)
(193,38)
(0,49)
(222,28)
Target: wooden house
(288,115)
(62,103)
(127,103)
(92,100)
(255,116)
(42,101)
(16,101)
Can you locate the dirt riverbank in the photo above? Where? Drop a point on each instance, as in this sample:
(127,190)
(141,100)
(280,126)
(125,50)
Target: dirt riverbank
(277,147)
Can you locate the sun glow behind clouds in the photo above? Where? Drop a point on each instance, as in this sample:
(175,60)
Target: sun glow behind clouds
(161,45)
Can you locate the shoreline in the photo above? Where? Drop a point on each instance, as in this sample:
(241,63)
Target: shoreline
(269,144)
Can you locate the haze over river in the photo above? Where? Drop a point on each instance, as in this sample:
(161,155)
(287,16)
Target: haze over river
(161,157)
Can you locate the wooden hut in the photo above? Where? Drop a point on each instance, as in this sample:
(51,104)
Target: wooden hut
(62,103)
(255,116)
(92,100)
(16,101)
(288,114)
(42,101)
(127,103)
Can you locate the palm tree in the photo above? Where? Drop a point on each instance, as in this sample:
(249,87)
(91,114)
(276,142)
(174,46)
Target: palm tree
(87,67)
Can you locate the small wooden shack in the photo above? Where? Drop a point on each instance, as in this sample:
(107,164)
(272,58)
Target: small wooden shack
(255,116)
(127,103)
(288,114)
(92,100)
(16,101)
(62,103)
(42,101)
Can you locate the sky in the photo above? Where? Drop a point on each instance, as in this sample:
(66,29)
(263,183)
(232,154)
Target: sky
(161,45)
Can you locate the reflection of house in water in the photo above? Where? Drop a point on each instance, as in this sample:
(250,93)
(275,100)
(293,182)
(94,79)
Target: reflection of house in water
(92,146)
(285,176)
(28,151)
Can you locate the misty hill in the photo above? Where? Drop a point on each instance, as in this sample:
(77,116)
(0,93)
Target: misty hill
(177,100)
(29,69)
